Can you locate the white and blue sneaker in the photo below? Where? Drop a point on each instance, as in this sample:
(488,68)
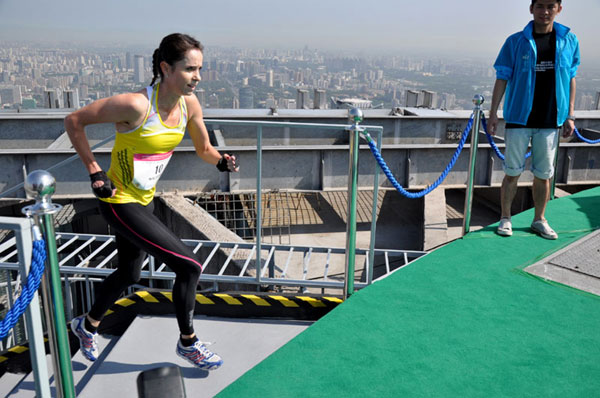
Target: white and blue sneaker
(87,341)
(200,356)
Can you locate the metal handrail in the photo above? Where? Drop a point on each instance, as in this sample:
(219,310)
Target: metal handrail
(353,128)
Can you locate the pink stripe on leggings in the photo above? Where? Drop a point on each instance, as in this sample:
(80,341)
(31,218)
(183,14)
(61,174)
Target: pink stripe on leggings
(152,243)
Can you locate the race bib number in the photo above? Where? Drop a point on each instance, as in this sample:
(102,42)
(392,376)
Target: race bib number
(147,169)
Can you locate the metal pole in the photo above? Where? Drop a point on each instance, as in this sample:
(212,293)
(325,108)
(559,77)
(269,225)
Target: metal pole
(478,101)
(355,116)
(553,183)
(374,212)
(258,201)
(41,185)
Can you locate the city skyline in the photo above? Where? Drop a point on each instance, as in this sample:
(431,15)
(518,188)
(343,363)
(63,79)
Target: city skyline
(435,27)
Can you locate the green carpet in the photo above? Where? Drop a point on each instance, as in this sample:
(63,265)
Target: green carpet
(463,321)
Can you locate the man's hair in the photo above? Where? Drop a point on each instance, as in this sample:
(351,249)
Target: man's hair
(533,1)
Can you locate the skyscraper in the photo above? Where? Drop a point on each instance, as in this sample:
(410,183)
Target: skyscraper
(319,101)
(270,78)
(71,99)
(53,99)
(302,99)
(138,69)
(246,98)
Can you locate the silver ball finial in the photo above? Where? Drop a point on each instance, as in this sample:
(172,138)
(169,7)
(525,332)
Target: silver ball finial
(478,100)
(355,115)
(40,184)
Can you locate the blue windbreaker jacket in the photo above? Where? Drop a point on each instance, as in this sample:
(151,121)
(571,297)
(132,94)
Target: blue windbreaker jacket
(516,64)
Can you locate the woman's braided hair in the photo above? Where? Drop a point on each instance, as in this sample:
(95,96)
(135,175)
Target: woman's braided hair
(172,49)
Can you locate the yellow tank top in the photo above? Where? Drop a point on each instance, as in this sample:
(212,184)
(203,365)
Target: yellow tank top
(140,155)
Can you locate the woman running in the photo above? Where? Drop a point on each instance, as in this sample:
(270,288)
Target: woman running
(149,124)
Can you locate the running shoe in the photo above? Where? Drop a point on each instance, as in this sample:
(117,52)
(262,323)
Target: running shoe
(87,341)
(200,356)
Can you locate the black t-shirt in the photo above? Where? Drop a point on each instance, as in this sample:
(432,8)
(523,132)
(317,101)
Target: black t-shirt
(543,111)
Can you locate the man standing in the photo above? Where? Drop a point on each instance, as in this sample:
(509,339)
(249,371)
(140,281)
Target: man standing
(536,68)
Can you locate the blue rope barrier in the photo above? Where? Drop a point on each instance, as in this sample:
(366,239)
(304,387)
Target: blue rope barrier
(582,138)
(491,140)
(442,177)
(33,283)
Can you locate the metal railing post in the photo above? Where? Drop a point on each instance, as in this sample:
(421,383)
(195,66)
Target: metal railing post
(33,318)
(355,116)
(41,185)
(478,101)
(258,202)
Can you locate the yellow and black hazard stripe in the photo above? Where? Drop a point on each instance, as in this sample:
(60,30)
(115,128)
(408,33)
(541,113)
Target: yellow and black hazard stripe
(238,305)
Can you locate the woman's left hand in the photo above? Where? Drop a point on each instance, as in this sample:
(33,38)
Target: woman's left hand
(228,163)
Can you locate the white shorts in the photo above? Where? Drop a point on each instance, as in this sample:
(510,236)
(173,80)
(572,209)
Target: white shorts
(543,150)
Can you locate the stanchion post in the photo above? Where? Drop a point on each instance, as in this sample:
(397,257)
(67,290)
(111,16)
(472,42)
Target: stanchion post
(41,185)
(478,101)
(355,116)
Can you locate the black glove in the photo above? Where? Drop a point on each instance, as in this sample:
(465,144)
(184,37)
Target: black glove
(222,164)
(106,190)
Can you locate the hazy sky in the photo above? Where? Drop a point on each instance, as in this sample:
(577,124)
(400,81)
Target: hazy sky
(468,27)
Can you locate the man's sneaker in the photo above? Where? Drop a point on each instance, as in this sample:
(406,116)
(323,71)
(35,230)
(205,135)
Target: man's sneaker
(198,355)
(87,341)
(542,228)
(504,227)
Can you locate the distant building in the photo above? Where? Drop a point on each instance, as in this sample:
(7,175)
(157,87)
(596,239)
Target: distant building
(71,99)
(138,69)
(302,99)
(11,95)
(29,103)
(269,78)
(129,60)
(347,103)
(246,98)
(448,101)
(319,101)
(598,100)
(201,95)
(53,99)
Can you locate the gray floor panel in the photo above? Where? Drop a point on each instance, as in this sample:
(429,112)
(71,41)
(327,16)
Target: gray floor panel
(150,343)
(577,265)
(585,259)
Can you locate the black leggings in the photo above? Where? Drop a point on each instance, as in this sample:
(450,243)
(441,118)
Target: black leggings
(138,231)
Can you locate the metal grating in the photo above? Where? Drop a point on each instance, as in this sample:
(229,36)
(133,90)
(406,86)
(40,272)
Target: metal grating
(585,260)
(282,210)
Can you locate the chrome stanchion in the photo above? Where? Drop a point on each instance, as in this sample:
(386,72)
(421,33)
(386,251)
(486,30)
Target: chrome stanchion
(355,116)
(41,185)
(478,101)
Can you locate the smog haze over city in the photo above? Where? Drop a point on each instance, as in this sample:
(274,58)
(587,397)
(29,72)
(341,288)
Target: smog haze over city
(376,51)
